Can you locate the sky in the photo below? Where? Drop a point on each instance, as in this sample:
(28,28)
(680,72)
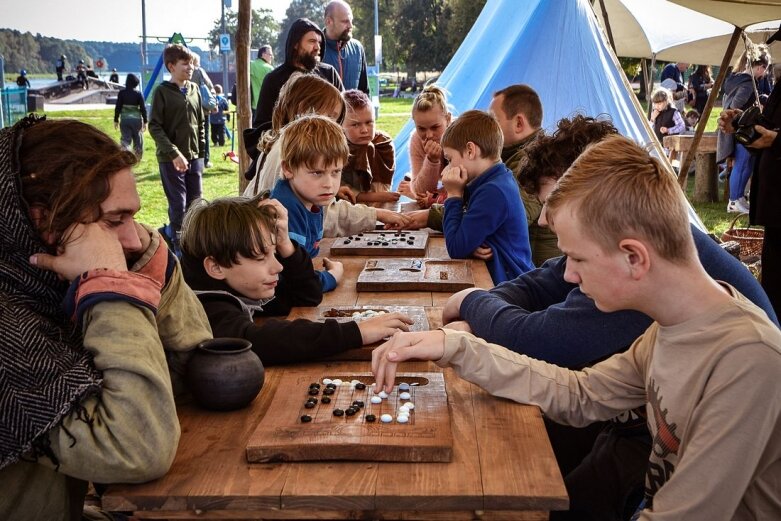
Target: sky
(119,20)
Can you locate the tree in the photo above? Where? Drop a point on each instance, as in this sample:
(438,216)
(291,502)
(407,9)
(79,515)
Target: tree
(312,9)
(464,14)
(428,48)
(264,28)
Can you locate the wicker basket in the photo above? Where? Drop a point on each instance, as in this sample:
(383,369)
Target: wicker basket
(750,239)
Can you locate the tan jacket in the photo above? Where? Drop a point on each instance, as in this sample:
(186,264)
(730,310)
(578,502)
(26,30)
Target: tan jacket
(134,431)
(710,387)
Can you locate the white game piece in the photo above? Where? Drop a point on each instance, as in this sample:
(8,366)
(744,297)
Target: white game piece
(337,382)
(327,381)
(357,314)
(413,384)
(404,386)
(409,405)
(403,410)
(405,396)
(375,399)
(402,418)
(386,418)
(382,394)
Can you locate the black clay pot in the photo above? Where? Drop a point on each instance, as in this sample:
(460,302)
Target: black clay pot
(224,374)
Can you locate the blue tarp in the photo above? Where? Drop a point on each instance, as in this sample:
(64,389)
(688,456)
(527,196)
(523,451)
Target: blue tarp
(556,47)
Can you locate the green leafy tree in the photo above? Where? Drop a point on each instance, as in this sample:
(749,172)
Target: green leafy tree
(427,20)
(464,14)
(312,9)
(264,28)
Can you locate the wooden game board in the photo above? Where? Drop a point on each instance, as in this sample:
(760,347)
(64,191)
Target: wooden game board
(415,275)
(394,243)
(282,436)
(345,313)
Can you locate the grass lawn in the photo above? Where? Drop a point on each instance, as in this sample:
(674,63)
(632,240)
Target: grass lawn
(222,178)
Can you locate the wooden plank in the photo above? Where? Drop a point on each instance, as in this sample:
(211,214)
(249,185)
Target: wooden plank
(388,243)
(394,298)
(458,484)
(481,276)
(282,435)
(415,275)
(210,470)
(533,481)
(298,515)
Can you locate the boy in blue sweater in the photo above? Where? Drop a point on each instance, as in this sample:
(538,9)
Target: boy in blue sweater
(483,207)
(313,152)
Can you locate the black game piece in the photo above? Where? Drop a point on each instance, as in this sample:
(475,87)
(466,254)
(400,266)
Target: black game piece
(350,411)
(326,399)
(328,391)
(360,386)
(310,405)
(358,403)
(338,412)
(306,418)
(371,418)
(314,391)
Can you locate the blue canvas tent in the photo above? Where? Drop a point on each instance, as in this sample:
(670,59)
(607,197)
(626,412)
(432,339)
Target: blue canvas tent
(556,47)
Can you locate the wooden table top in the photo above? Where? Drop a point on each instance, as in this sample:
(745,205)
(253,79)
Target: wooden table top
(503,466)
(682,142)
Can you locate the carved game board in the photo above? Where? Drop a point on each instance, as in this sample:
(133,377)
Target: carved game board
(393,243)
(415,275)
(283,436)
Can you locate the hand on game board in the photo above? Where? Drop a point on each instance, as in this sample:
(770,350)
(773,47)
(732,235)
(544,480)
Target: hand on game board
(392,220)
(285,246)
(417,219)
(335,268)
(454,179)
(426,345)
(382,326)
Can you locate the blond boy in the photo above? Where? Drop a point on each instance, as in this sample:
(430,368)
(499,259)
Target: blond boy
(483,207)
(313,152)
(706,369)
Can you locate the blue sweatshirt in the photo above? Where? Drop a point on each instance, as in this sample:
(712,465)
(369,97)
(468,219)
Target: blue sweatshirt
(490,213)
(541,315)
(304,226)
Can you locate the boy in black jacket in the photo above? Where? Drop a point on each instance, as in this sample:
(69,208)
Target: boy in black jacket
(130,116)
(234,249)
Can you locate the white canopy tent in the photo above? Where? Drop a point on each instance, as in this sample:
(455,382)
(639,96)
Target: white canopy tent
(740,13)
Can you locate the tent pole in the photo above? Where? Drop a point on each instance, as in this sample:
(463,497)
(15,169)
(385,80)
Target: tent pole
(650,87)
(714,93)
(243,113)
(607,26)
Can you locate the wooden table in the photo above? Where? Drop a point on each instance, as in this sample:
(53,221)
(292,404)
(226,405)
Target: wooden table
(502,468)
(706,180)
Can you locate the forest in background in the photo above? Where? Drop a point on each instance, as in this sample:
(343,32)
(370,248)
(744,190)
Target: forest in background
(439,27)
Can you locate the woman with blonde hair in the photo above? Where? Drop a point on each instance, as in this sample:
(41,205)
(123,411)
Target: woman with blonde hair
(431,116)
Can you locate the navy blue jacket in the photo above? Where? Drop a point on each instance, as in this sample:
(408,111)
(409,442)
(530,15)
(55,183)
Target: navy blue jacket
(490,213)
(541,315)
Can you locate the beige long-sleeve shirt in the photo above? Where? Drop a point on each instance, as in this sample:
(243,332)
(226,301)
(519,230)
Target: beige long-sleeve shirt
(710,387)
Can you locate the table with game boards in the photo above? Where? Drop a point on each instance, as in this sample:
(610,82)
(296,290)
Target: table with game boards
(318,444)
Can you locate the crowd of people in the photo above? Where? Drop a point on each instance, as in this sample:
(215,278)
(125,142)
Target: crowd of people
(652,352)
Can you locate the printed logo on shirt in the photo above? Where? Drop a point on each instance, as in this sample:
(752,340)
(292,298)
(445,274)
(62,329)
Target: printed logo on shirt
(666,442)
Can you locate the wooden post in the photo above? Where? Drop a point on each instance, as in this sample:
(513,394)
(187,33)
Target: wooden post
(683,173)
(706,182)
(243,112)
(607,26)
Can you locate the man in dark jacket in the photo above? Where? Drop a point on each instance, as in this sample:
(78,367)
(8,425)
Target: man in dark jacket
(304,51)
(342,51)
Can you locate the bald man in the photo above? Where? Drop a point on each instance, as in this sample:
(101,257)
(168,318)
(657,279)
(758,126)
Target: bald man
(342,51)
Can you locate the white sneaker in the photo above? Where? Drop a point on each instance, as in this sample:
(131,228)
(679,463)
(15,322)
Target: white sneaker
(739,205)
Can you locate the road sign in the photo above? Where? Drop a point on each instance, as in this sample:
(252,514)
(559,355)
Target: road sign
(225,42)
